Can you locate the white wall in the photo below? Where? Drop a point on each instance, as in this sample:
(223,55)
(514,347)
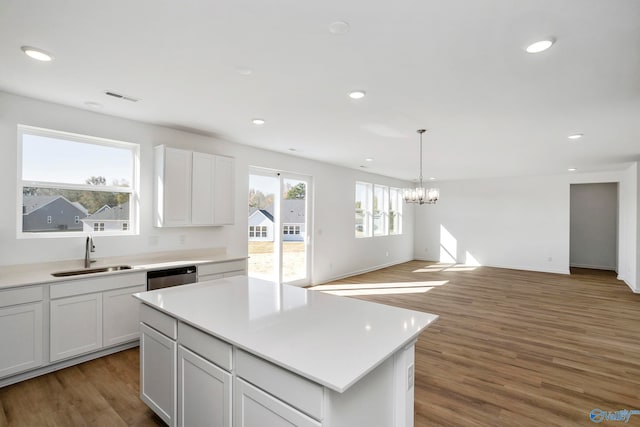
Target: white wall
(520,222)
(337,252)
(594,226)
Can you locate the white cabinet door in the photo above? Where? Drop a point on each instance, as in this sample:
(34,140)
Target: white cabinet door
(223,182)
(204,392)
(120,315)
(76,325)
(255,408)
(173,186)
(158,373)
(20,338)
(202,199)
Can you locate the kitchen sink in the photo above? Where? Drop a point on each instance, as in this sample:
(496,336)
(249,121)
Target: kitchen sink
(91,270)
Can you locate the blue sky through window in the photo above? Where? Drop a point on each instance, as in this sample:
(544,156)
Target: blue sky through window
(56,160)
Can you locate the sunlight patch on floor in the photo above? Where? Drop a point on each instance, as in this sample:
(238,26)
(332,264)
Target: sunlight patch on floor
(445,267)
(385,291)
(350,289)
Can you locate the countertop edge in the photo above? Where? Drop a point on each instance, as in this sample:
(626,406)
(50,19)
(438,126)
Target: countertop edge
(334,387)
(139,264)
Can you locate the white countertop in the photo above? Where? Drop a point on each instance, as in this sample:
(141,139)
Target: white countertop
(32,274)
(331,340)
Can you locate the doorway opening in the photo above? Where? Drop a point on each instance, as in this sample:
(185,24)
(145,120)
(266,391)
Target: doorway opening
(278,226)
(593,228)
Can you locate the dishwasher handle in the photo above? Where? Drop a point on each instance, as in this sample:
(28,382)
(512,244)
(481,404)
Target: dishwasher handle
(171,272)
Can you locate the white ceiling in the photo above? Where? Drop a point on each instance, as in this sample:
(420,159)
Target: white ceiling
(455,67)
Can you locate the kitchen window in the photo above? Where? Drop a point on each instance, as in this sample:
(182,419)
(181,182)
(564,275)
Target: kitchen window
(71,184)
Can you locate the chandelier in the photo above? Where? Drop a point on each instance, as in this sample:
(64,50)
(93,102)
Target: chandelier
(419,194)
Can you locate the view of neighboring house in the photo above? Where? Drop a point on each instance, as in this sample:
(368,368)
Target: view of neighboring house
(108,218)
(260,225)
(51,213)
(293,222)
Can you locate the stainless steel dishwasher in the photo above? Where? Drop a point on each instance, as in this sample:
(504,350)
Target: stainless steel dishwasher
(166,278)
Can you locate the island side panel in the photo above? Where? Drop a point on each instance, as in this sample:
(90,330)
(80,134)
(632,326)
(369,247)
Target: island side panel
(384,397)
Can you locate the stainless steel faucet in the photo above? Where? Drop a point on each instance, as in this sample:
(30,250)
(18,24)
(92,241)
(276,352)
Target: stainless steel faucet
(89,247)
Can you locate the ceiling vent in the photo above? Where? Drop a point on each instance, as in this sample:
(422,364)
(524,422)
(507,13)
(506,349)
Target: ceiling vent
(120,96)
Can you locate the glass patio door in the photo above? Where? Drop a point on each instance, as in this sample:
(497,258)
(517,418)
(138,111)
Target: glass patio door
(279,227)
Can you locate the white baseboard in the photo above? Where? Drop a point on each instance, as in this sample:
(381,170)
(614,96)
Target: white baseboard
(594,267)
(513,267)
(362,271)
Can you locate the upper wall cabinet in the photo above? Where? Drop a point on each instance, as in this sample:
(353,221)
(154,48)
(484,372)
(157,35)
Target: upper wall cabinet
(193,189)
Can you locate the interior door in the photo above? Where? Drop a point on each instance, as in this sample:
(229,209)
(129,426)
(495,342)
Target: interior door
(279,226)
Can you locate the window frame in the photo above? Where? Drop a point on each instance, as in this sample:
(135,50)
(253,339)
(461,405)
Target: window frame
(133,190)
(367,211)
(399,199)
(382,212)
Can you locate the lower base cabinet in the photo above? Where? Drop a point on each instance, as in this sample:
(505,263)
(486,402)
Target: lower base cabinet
(158,373)
(21,338)
(255,408)
(120,315)
(204,392)
(76,326)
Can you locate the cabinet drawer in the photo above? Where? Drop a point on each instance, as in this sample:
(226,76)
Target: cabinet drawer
(299,392)
(211,348)
(20,296)
(204,278)
(98,284)
(222,267)
(255,408)
(159,321)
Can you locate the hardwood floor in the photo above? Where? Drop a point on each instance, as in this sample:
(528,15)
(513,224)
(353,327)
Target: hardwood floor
(511,348)
(517,348)
(101,392)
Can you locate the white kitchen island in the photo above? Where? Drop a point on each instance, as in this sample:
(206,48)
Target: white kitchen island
(247,352)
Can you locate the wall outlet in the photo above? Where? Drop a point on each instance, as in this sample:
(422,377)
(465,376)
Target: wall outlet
(550,259)
(387,253)
(153,240)
(183,239)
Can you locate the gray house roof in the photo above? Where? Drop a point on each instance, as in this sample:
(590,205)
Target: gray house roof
(108,213)
(33,203)
(293,211)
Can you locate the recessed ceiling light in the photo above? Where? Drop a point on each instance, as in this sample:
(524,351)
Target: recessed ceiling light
(357,94)
(368,159)
(572,169)
(94,105)
(432,178)
(339,27)
(38,54)
(258,122)
(540,46)
(245,71)
(575,136)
